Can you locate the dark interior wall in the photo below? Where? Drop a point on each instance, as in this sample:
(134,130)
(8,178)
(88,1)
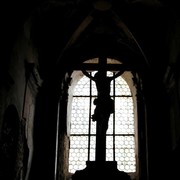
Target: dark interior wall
(50,129)
(173,78)
(18,87)
(9,143)
(158,126)
(44,133)
(63,134)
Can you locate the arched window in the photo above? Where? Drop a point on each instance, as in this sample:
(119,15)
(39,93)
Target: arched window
(121,133)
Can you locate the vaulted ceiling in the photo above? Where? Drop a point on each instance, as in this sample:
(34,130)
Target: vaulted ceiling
(82,29)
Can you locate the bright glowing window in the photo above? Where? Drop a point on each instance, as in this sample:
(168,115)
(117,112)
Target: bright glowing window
(120,136)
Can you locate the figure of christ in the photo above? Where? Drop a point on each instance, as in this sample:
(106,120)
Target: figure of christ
(104,107)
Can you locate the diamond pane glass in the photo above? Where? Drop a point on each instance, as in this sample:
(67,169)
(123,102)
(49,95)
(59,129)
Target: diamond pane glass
(92,148)
(122,87)
(82,87)
(78,153)
(120,133)
(80,115)
(124,115)
(125,153)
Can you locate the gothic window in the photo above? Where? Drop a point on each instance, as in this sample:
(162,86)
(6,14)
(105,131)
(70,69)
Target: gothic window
(121,133)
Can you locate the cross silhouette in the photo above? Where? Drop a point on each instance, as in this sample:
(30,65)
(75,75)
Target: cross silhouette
(104,105)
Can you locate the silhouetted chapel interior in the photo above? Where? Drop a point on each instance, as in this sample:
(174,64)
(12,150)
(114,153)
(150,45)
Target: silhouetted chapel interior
(51,50)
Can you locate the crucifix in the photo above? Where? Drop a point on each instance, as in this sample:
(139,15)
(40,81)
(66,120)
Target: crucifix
(104,105)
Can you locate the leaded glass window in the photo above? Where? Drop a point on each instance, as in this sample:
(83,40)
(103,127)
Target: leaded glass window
(120,140)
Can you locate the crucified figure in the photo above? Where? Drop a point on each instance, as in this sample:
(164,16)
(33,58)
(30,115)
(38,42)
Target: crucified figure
(104,107)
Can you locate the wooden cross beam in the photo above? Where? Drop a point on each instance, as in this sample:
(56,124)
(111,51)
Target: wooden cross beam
(107,67)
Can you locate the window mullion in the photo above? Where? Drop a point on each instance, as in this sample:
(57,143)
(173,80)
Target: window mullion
(114,121)
(89,131)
